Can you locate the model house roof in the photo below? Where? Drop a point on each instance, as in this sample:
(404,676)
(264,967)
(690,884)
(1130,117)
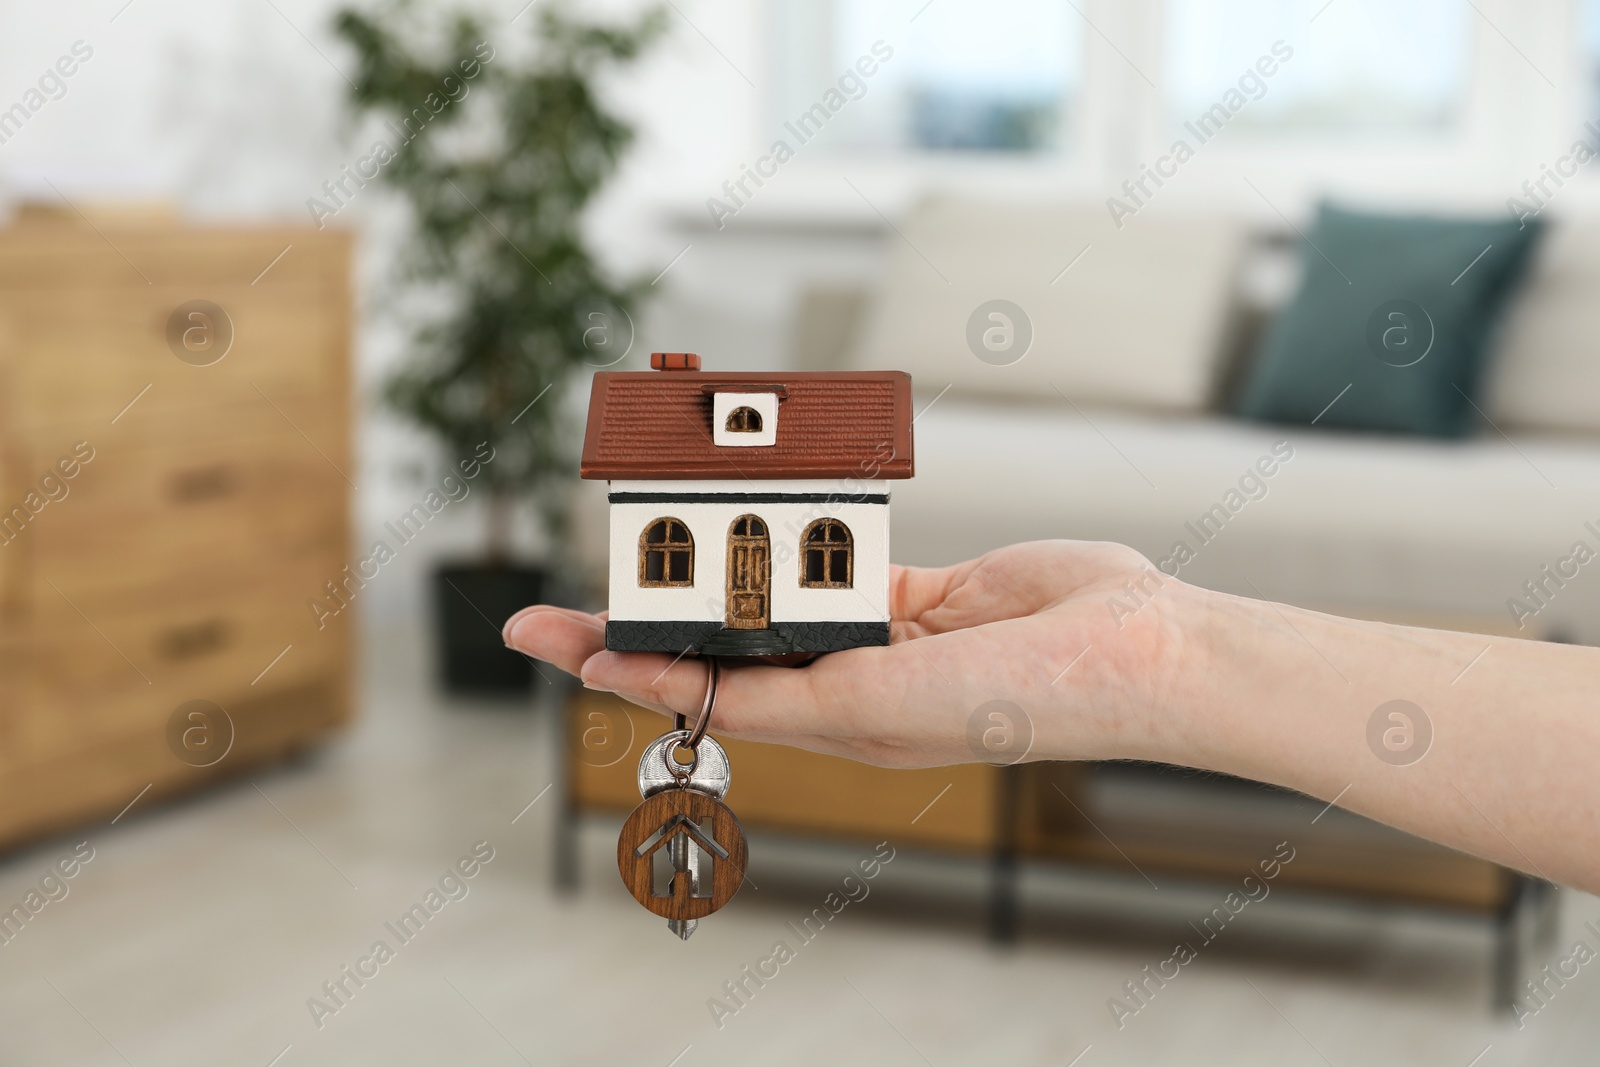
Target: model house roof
(833,424)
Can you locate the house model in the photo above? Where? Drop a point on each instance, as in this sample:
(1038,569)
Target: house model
(749,511)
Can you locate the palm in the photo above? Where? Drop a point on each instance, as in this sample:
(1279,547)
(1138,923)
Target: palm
(1004,626)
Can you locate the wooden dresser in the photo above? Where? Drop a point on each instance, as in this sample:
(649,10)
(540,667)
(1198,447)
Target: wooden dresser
(173,490)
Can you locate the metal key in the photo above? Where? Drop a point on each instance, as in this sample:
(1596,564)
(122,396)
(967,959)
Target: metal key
(709,774)
(686,857)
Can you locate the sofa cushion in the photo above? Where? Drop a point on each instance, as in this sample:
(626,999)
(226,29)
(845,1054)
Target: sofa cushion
(1391,325)
(1546,371)
(1346,522)
(1133,317)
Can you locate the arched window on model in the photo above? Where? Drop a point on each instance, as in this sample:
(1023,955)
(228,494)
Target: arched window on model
(827,555)
(744,420)
(666,554)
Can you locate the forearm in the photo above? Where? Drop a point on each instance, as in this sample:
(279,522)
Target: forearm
(1287,696)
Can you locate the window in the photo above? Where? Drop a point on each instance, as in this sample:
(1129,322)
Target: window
(1416,98)
(827,555)
(744,420)
(666,554)
(1361,67)
(1000,77)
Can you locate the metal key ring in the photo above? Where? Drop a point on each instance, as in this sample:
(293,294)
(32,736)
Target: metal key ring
(682,722)
(681,772)
(713,673)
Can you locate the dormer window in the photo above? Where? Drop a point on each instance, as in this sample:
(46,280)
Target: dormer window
(743,420)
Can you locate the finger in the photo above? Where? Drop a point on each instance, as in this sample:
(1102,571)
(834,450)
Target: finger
(676,684)
(916,590)
(842,695)
(510,624)
(1022,579)
(560,636)
(860,751)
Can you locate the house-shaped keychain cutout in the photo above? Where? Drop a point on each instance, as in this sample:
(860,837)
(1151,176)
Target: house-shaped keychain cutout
(749,511)
(680,825)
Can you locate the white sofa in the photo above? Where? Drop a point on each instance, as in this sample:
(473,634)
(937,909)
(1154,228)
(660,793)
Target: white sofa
(1110,426)
(1380,527)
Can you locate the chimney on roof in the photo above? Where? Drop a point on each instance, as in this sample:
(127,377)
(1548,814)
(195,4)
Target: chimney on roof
(674,361)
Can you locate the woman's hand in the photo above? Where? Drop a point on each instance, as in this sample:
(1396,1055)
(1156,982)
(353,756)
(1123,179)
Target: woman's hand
(1107,658)
(1078,635)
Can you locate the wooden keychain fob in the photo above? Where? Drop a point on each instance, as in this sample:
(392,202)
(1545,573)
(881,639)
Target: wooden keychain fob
(682,815)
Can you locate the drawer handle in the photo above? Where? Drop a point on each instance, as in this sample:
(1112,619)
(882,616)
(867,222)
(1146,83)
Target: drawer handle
(194,639)
(203,483)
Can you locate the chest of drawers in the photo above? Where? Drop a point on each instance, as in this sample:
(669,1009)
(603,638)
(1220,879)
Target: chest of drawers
(174,488)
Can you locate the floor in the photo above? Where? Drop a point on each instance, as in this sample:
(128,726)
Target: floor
(202,932)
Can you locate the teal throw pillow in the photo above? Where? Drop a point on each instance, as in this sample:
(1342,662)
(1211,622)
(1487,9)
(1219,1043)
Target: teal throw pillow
(1392,324)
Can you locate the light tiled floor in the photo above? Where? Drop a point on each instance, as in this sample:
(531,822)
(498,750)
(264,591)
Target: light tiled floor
(200,929)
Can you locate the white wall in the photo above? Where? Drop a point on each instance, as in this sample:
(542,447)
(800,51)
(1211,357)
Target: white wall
(867,601)
(235,110)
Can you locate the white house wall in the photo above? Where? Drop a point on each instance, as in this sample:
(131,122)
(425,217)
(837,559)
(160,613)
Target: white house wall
(867,601)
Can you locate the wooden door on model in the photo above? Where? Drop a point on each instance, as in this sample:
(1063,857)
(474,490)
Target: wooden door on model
(749,584)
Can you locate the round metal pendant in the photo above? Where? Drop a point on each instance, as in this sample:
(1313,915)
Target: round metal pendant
(709,773)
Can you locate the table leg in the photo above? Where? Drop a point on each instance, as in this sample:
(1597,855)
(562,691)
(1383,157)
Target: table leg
(564,851)
(1003,886)
(1526,923)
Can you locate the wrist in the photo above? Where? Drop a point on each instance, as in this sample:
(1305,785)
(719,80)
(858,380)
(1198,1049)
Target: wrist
(1140,687)
(1205,679)
(1199,663)
(1235,667)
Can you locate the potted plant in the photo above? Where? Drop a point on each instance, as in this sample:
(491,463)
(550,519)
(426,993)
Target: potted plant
(496,158)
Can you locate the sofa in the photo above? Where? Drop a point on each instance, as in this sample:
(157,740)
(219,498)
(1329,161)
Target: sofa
(1114,424)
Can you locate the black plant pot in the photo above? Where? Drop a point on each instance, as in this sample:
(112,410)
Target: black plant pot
(471,603)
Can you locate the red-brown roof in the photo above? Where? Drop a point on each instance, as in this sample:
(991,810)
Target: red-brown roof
(834,424)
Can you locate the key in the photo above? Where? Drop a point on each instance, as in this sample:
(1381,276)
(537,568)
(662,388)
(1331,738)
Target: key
(709,774)
(686,857)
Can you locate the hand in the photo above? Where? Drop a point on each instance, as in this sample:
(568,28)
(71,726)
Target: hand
(1005,626)
(1108,658)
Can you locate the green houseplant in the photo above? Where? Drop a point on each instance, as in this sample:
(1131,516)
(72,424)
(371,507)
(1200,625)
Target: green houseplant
(496,156)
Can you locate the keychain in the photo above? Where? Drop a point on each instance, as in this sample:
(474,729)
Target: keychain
(682,812)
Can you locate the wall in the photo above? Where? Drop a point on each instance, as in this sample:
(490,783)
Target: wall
(235,111)
(868,601)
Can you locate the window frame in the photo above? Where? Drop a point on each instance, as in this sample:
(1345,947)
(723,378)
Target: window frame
(748,411)
(799,73)
(667,549)
(1509,119)
(828,549)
